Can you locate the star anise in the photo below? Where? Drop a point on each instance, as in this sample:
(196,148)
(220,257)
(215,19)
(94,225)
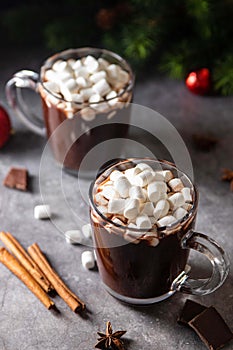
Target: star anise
(110,340)
(227,175)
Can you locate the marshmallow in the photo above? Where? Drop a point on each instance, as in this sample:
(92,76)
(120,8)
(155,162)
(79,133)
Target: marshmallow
(122,185)
(131,173)
(166,220)
(176,184)
(94,78)
(86,93)
(143,178)
(111,97)
(110,192)
(82,83)
(131,208)
(77,98)
(103,209)
(59,65)
(71,62)
(113,71)
(162,195)
(91,64)
(154,189)
(179,213)
(143,166)
(103,64)
(176,200)
(115,174)
(167,174)
(136,192)
(74,237)
(52,87)
(42,211)
(102,87)
(148,209)
(87,114)
(123,76)
(152,220)
(187,206)
(117,221)
(116,206)
(157,176)
(50,75)
(186,191)
(87,231)
(77,64)
(161,209)
(93,99)
(111,115)
(151,239)
(143,221)
(88,259)
(81,72)
(100,199)
(133,236)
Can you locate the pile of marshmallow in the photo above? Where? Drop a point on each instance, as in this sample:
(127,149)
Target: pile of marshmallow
(88,80)
(141,198)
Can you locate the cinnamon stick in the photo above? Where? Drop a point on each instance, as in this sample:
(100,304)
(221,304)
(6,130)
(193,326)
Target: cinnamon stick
(65,293)
(18,251)
(18,270)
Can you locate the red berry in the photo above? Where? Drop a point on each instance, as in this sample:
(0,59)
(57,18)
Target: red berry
(199,81)
(5,127)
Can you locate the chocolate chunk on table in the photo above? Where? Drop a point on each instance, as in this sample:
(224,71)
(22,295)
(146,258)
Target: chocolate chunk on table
(17,178)
(211,328)
(190,310)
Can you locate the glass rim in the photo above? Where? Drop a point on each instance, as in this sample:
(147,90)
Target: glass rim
(128,87)
(156,229)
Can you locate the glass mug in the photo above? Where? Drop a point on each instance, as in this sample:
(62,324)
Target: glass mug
(144,274)
(79,126)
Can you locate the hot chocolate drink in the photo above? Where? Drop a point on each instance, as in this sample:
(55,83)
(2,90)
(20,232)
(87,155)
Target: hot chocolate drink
(85,97)
(140,213)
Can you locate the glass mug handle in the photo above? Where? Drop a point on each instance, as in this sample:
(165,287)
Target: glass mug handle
(219,261)
(24,79)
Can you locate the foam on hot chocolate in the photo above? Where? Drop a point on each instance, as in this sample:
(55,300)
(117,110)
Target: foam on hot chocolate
(141,198)
(87,85)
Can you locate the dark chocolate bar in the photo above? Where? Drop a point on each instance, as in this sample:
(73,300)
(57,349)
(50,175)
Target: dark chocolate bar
(190,310)
(211,328)
(17,178)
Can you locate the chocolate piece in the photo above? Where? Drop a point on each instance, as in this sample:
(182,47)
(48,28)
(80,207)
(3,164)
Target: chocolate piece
(16,178)
(190,310)
(211,328)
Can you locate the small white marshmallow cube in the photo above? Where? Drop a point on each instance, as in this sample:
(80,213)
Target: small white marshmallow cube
(103,64)
(52,86)
(87,231)
(42,211)
(148,209)
(91,64)
(137,193)
(122,186)
(167,174)
(166,220)
(110,192)
(186,191)
(143,166)
(131,173)
(77,98)
(94,78)
(115,174)
(132,208)
(99,198)
(161,209)
(176,184)
(74,237)
(176,200)
(88,259)
(81,72)
(143,221)
(116,206)
(82,83)
(143,178)
(111,98)
(179,213)
(102,87)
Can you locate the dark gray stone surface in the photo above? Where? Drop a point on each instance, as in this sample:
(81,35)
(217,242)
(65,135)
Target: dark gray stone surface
(24,323)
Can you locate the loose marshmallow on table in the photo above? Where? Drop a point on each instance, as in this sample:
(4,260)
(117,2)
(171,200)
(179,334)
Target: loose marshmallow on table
(42,211)
(74,237)
(88,259)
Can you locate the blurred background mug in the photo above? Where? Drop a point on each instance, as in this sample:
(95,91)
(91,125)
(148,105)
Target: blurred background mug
(85,94)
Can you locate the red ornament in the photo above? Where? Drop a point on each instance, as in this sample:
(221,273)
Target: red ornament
(199,82)
(5,127)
